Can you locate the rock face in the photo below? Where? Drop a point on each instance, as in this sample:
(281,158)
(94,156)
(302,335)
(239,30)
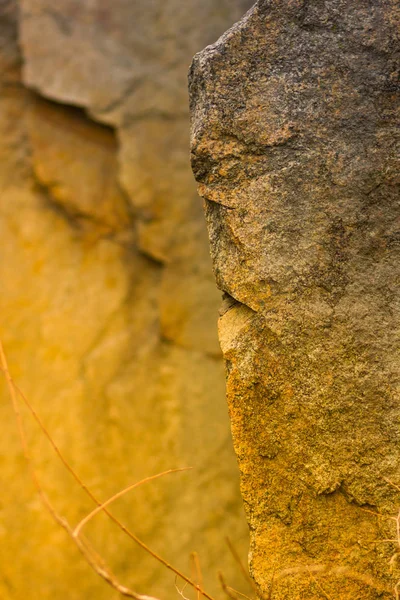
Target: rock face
(293,147)
(107,300)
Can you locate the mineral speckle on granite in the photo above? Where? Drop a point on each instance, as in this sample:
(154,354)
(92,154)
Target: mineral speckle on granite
(294,133)
(108,302)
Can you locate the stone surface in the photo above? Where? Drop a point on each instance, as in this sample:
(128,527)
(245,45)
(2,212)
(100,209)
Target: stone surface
(108,302)
(294,131)
(134,78)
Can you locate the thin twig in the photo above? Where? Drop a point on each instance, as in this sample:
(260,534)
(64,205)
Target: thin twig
(396,487)
(241,566)
(240,593)
(341,571)
(319,586)
(180,592)
(198,574)
(114,519)
(102,506)
(84,547)
(228,591)
(231,589)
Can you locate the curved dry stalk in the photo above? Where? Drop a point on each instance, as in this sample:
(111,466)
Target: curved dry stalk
(102,506)
(396,487)
(22,436)
(197,573)
(180,592)
(319,586)
(84,547)
(242,568)
(239,593)
(396,554)
(228,590)
(341,571)
(99,565)
(114,519)
(92,558)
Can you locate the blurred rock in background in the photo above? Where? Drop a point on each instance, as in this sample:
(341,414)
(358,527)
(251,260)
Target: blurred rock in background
(108,304)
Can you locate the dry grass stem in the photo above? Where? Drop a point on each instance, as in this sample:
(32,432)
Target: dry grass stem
(83,546)
(340,571)
(242,568)
(180,592)
(396,554)
(396,487)
(228,590)
(102,506)
(93,559)
(319,586)
(239,593)
(98,564)
(198,576)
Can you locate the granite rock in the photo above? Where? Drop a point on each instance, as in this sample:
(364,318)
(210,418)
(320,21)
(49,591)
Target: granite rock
(107,301)
(294,133)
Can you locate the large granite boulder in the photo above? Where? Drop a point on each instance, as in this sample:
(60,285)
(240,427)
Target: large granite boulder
(293,147)
(108,301)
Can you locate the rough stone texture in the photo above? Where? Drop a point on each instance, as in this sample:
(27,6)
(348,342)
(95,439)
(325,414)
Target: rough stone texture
(107,300)
(294,118)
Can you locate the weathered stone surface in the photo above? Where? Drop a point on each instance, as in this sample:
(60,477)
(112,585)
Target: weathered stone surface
(120,60)
(135,78)
(294,130)
(77,164)
(107,303)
